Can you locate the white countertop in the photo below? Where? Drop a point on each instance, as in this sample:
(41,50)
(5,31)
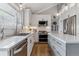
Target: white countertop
(65,38)
(12,41)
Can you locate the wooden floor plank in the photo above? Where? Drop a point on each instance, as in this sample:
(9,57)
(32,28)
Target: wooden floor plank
(40,49)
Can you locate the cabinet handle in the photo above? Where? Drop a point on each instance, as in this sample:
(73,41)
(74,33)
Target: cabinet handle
(20,49)
(30,41)
(58,53)
(59,43)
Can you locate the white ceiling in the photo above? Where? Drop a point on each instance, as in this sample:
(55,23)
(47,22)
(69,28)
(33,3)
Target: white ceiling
(43,8)
(52,11)
(37,7)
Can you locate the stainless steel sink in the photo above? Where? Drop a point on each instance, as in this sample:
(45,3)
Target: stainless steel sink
(22,34)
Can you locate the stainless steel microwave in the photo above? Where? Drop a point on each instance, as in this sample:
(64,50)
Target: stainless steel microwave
(43,23)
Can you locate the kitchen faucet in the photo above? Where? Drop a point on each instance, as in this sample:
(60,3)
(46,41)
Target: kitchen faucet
(2,31)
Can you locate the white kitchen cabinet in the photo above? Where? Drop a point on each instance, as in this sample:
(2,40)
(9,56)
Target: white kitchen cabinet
(57,46)
(63,45)
(36,37)
(10,45)
(4,52)
(27,17)
(30,44)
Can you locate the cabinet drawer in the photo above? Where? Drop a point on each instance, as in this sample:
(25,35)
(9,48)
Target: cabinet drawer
(54,42)
(57,45)
(60,44)
(57,41)
(58,51)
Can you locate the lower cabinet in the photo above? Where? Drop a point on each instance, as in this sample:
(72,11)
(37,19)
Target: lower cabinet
(35,36)
(58,47)
(30,43)
(62,48)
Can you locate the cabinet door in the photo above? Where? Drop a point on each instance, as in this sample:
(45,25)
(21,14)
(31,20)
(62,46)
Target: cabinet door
(30,45)
(36,37)
(49,40)
(57,46)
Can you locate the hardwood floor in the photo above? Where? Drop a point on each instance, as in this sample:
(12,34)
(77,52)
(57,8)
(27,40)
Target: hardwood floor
(22,53)
(40,49)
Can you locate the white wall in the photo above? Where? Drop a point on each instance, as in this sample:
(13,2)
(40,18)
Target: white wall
(19,22)
(68,13)
(8,18)
(36,17)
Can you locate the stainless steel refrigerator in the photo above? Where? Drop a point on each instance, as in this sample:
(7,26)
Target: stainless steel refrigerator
(69,25)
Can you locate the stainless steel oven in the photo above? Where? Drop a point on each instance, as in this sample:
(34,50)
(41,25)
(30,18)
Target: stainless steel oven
(20,49)
(43,36)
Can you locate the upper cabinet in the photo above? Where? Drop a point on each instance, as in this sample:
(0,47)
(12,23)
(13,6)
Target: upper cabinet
(27,17)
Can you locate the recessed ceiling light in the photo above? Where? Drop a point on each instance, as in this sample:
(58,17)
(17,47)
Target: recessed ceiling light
(57,14)
(71,5)
(20,5)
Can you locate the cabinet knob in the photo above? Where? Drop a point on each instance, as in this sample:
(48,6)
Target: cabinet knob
(30,41)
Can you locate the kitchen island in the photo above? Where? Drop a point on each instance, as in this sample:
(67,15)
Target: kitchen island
(63,44)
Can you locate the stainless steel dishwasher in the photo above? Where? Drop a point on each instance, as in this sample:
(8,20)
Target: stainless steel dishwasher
(20,49)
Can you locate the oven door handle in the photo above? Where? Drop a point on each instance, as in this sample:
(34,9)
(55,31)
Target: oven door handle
(20,49)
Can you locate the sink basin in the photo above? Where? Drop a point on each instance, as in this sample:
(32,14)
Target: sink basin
(23,34)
